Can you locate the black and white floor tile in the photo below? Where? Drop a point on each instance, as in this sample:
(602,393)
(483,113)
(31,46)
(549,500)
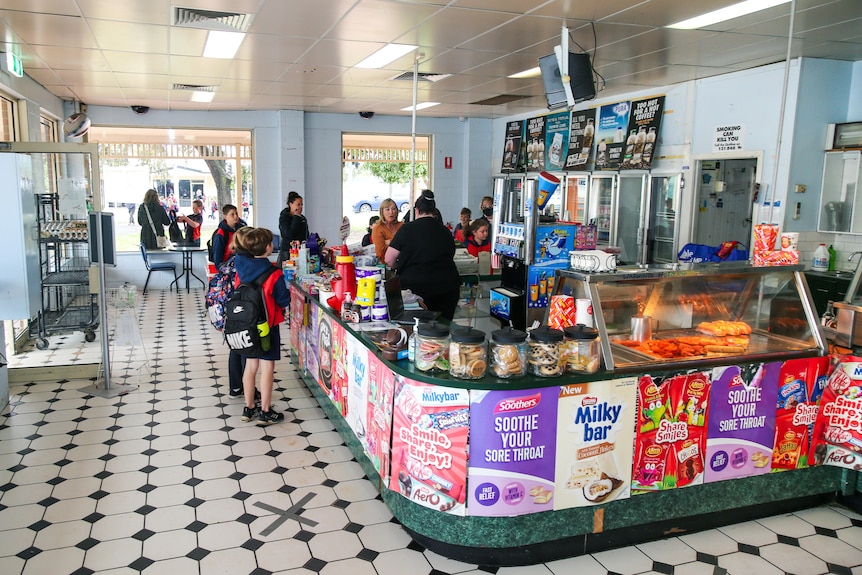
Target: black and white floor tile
(168,479)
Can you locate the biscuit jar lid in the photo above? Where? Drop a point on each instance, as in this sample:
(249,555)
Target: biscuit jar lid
(581,332)
(433,329)
(508,335)
(545,333)
(468,335)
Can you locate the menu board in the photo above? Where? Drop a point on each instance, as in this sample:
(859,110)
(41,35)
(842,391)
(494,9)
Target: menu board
(595,430)
(512,146)
(581,137)
(613,121)
(644,122)
(512,446)
(430,425)
(556,140)
(742,422)
(535,144)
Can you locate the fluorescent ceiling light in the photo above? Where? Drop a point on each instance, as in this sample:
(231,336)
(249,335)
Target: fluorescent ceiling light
(727,13)
(222,44)
(421,106)
(385,55)
(531,73)
(201,96)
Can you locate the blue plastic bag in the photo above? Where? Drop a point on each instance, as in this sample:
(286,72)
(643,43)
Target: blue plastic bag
(697,253)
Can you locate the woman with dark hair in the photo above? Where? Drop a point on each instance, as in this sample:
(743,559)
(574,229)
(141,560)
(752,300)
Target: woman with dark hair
(292,225)
(152,218)
(422,253)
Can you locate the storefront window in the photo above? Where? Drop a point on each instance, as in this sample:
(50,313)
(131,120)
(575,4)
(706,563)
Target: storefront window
(8,128)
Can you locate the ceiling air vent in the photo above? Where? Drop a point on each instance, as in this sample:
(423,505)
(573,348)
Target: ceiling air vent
(421,77)
(193,88)
(211,20)
(498,100)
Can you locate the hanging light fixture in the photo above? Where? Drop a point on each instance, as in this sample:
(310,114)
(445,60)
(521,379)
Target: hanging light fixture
(77,124)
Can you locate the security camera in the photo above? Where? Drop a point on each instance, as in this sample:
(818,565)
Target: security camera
(140,109)
(366,115)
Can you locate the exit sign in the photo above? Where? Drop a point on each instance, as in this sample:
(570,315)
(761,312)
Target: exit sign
(13,65)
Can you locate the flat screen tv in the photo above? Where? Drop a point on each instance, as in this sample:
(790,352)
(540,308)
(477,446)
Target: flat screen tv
(580,80)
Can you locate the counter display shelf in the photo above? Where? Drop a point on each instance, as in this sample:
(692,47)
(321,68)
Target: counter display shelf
(699,315)
(513,472)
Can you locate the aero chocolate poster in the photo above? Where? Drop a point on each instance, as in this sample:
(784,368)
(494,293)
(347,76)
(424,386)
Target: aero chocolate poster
(595,430)
(643,129)
(581,138)
(512,446)
(742,421)
(430,425)
(512,146)
(556,140)
(611,137)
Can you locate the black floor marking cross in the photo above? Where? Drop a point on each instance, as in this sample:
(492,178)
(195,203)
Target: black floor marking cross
(291,513)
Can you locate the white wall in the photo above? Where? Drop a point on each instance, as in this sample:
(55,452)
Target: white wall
(854,101)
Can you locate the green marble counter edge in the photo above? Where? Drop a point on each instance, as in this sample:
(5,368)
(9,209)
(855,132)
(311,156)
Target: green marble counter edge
(537,528)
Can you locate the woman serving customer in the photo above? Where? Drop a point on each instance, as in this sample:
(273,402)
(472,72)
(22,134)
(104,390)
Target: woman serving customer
(386,227)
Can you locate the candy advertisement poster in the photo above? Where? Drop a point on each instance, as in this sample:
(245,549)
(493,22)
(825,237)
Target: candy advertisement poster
(741,430)
(512,445)
(358,377)
(595,432)
(800,384)
(838,428)
(379,417)
(430,425)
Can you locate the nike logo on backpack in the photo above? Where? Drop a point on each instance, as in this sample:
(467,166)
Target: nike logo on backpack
(238,309)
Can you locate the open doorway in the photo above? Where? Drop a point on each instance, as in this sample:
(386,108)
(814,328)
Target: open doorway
(724,200)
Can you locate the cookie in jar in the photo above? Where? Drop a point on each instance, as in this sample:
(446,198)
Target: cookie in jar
(545,355)
(432,347)
(468,353)
(508,353)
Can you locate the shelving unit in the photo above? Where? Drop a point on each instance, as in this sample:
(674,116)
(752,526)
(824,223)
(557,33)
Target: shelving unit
(67,302)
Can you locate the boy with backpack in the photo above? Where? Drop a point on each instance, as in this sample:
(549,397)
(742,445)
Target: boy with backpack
(253,267)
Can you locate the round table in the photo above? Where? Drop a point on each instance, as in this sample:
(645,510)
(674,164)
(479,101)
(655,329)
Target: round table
(187,252)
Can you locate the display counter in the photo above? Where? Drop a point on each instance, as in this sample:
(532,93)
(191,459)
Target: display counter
(529,470)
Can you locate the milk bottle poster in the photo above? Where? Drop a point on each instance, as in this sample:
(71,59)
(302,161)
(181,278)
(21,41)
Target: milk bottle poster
(512,446)
(611,137)
(643,130)
(595,434)
(556,140)
(582,134)
(512,146)
(358,382)
(430,425)
(379,417)
(536,144)
(838,429)
(741,429)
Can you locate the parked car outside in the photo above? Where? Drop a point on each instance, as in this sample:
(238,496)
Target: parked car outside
(372,204)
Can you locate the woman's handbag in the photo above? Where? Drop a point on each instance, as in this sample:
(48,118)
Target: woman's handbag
(161,241)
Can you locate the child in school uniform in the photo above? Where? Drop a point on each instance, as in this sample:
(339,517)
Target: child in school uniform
(478,239)
(251,261)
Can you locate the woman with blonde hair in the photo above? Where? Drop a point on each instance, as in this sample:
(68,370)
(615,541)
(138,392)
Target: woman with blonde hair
(384,230)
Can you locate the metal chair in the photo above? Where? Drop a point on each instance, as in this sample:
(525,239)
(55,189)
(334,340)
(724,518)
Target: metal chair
(158,267)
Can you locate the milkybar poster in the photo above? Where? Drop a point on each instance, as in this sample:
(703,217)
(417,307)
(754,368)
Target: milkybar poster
(838,429)
(643,129)
(556,140)
(581,137)
(595,433)
(741,429)
(512,147)
(430,425)
(536,144)
(611,138)
(512,445)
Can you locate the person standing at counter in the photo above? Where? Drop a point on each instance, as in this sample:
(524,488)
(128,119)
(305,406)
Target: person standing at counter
(462,226)
(487,207)
(292,225)
(386,227)
(478,239)
(422,253)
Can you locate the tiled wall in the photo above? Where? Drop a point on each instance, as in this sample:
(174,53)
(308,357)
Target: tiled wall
(844,245)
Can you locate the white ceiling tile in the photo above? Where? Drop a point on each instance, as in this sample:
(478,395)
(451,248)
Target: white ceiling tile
(130,37)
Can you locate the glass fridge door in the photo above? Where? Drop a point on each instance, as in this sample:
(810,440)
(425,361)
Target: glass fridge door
(631,225)
(661,235)
(577,192)
(602,202)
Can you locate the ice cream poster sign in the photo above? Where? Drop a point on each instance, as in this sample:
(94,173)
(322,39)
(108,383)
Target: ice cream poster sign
(512,445)
(741,430)
(595,433)
(429,445)
(838,428)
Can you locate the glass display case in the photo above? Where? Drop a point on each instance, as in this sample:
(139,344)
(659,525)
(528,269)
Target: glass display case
(686,316)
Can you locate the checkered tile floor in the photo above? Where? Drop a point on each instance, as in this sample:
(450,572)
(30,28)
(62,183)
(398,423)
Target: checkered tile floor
(167,479)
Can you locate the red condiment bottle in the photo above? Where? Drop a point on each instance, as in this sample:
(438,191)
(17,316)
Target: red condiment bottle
(347,275)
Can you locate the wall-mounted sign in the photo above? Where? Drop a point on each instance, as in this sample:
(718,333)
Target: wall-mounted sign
(728,138)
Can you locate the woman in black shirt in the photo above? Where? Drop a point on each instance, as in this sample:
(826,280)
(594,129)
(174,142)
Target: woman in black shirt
(292,225)
(422,252)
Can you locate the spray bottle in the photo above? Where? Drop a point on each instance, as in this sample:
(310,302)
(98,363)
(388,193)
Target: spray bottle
(411,342)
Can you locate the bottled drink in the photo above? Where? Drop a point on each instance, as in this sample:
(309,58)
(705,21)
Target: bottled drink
(821,259)
(648,147)
(832,255)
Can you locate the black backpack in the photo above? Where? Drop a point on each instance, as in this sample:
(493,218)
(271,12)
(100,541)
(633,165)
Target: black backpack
(243,312)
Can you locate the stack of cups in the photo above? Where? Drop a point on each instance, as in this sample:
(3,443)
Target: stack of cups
(584,312)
